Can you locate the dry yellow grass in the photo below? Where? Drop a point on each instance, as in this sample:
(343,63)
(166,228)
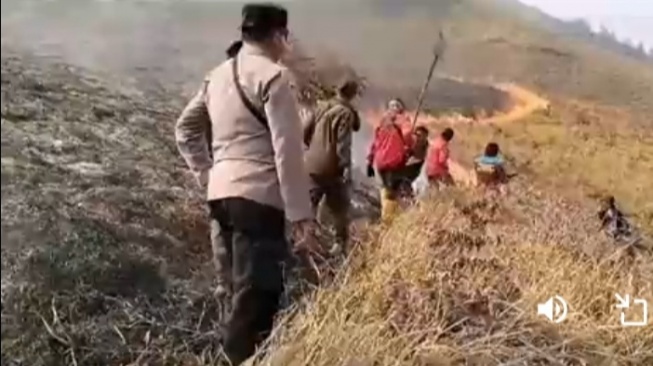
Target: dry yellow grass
(573,147)
(457,280)
(574,154)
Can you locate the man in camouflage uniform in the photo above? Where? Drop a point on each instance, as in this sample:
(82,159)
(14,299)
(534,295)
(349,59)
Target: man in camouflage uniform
(328,137)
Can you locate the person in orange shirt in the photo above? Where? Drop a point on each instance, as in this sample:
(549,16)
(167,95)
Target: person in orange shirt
(437,164)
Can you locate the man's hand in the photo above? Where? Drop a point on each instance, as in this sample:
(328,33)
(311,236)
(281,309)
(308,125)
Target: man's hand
(391,115)
(370,171)
(303,233)
(346,176)
(202,178)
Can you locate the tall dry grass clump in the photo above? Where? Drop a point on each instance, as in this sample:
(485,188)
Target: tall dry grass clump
(457,280)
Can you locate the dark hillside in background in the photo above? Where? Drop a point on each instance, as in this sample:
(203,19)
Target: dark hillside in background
(174,43)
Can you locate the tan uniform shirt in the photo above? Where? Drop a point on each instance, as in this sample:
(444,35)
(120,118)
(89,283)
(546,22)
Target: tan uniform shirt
(248,160)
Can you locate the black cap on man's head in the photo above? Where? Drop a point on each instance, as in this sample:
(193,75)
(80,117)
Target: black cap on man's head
(348,88)
(259,20)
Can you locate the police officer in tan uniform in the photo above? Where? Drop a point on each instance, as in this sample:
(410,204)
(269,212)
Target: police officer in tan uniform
(253,172)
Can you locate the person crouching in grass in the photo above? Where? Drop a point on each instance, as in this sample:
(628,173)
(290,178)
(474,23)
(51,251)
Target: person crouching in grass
(490,169)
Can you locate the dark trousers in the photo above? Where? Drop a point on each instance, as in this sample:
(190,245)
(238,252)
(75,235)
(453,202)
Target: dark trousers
(409,174)
(392,182)
(336,199)
(221,257)
(255,249)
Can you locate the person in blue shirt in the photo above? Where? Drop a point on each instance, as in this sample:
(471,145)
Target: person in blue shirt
(489,167)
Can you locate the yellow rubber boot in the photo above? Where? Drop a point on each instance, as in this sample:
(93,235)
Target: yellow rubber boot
(389,206)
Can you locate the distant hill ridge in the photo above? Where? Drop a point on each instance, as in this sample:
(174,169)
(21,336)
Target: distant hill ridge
(175,43)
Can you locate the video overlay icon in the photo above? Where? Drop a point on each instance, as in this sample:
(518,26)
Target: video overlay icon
(555,309)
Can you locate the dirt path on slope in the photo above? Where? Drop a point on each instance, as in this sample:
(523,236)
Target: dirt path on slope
(525,102)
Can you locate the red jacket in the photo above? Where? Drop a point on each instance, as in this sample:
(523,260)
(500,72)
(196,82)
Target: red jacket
(389,150)
(406,126)
(437,159)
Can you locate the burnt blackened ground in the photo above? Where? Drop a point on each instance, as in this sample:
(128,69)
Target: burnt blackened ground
(105,252)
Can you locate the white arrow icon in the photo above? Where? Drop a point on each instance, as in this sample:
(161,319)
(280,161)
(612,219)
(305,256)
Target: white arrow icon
(624,303)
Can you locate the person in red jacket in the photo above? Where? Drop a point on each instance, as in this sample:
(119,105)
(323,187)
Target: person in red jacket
(402,119)
(388,154)
(417,141)
(437,165)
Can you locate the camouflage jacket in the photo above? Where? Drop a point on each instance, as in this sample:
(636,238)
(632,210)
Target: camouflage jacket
(328,138)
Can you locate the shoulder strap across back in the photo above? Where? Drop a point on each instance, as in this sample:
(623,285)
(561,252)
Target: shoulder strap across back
(246,101)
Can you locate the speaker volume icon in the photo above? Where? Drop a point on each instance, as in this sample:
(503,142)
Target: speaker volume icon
(555,309)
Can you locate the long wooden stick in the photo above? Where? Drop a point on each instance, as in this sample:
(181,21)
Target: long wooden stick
(436,57)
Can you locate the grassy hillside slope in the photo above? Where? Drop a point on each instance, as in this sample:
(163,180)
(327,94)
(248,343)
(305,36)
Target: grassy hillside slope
(105,252)
(489,44)
(105,245)
(578,150)
(456,281)
(104,239)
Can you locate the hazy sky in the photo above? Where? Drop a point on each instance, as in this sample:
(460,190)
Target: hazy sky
(627,18)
